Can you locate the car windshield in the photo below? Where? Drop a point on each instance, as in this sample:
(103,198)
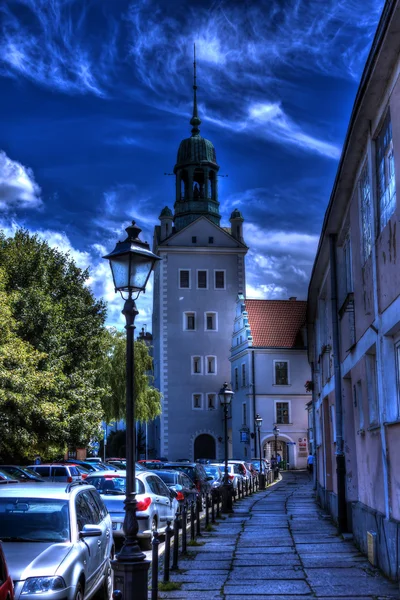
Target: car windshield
(113,485)
(167,476)
(190,471)
(212,471)
(34,520)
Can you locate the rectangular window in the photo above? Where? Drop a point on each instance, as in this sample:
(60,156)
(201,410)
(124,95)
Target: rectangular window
(397,366)
(244,383)
(333,421)
(201,280)
(210,240)
(194,239)
(358,403)
(211,321)
(385,176)
(184,279)
(211,401)
(348,264)
(244,414)
(236,378)
(282,412)
(211,365)
(219,280)
(364,190)
(281,372)
(197,401)
(372,392)
(189,321)
(196,365)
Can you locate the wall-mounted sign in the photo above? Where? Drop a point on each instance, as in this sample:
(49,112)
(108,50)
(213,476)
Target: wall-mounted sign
(244,437)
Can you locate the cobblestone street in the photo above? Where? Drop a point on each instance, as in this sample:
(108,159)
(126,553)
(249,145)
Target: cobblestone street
(278,545)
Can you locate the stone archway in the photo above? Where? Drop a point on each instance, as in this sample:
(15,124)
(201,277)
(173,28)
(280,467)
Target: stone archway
(204,447)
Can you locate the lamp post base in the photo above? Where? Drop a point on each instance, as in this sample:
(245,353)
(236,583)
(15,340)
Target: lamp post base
(261,481)
(131,579)
(227,498)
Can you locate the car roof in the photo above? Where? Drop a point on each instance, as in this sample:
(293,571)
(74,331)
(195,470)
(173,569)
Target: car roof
(179,465)
(56,491)
(121,473)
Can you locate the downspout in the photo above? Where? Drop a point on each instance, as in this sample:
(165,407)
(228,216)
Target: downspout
(253,377)
(314,424)
(340,459)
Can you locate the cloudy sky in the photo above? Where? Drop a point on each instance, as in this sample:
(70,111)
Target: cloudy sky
(96,97)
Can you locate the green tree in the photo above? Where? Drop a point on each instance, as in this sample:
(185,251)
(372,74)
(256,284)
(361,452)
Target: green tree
(113,373)
(56,315)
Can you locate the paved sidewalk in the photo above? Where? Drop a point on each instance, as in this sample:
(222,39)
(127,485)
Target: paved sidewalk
(278,546)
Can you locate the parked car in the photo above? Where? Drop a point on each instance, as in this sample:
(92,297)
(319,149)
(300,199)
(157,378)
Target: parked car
(57,541)
(251,468)
(217,475)
(196,472)
(118,464)
(234,473)
(184,488)
(155,502)
(6,583)
(7,478)
(57,472)
(265,464)
(244,471)
(94,459)
(21,473)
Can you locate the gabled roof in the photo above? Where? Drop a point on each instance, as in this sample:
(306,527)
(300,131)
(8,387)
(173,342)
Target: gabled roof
(276,323)
(224,230)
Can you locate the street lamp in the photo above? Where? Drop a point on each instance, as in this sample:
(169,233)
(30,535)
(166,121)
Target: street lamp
(131,264)
(276,433)
(261,476)
(225,396)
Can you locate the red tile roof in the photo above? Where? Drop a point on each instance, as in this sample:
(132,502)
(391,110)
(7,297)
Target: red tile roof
(277,323)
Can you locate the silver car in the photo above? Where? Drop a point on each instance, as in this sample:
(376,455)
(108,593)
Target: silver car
(156,504)
(57,540)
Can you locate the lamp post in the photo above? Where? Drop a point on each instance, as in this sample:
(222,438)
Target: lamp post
(261,476)
(225,396)
(276,433)
(131,263)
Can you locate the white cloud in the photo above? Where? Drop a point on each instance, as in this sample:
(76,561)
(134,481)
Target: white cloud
(18,188)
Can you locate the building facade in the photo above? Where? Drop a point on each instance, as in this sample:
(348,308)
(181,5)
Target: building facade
(202,269)
(354,316)
(269,374)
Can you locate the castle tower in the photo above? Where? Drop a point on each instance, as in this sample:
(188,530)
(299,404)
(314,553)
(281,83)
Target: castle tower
(195,288)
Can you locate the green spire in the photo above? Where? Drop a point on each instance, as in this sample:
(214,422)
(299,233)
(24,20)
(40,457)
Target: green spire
(195,121)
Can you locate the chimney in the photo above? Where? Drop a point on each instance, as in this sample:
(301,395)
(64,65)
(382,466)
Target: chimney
(293,298)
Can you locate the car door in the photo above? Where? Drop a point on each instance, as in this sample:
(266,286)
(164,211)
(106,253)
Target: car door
(158,499)
(103,520)
(189,487)
(169,504)
(91,546)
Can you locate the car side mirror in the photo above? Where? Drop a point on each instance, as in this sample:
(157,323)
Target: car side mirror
(90,531)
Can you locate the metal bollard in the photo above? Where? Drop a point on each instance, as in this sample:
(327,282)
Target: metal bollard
(247,488)
(213,507)
(218,499)
(184,532)
(167,552)
(207,510)
(154,566)
(176,544)
(198,532)
(192,523)
(117,595)
(250,486)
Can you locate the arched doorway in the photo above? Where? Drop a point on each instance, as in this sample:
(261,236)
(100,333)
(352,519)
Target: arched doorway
(281,447)
(204,447)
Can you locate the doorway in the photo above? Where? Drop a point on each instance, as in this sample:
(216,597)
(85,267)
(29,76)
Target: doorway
(204,447)
(282,449)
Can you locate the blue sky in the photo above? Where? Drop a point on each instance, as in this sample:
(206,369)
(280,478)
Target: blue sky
(96,96)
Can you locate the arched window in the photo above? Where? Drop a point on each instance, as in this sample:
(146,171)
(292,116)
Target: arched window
(204,447)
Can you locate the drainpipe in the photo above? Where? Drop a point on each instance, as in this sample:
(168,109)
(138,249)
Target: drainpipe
(253,376)
(314,424)
(340,459)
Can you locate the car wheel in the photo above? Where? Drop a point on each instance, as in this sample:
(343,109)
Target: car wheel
(146,542)
(79,592)
(106,590)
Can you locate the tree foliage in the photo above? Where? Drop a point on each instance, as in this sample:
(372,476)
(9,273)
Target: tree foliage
(113,374)
(52,335)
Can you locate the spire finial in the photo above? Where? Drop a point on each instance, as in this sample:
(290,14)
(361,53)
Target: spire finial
(195,121)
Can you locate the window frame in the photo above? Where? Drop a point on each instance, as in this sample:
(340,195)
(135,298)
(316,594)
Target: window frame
(189,287)
(365,212)
(236,378)
(288,372)
(385,202)
(214,314)
(206,358)
(243,374)
(192,363)
(201,401)
(185,320)
(289,409)
(215,279)
(214,406)
(197,279)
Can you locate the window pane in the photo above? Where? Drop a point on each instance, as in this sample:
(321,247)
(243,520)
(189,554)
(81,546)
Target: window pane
(184,279)
(282,412)
(365,207)
(201,279)
(281,373)
(210,322)
(190,321)
(385,180)
(219,279)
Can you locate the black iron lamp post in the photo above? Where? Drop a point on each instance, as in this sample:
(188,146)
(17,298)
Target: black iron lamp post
(225,396)
(276,434)
(261,475)
(131,264)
